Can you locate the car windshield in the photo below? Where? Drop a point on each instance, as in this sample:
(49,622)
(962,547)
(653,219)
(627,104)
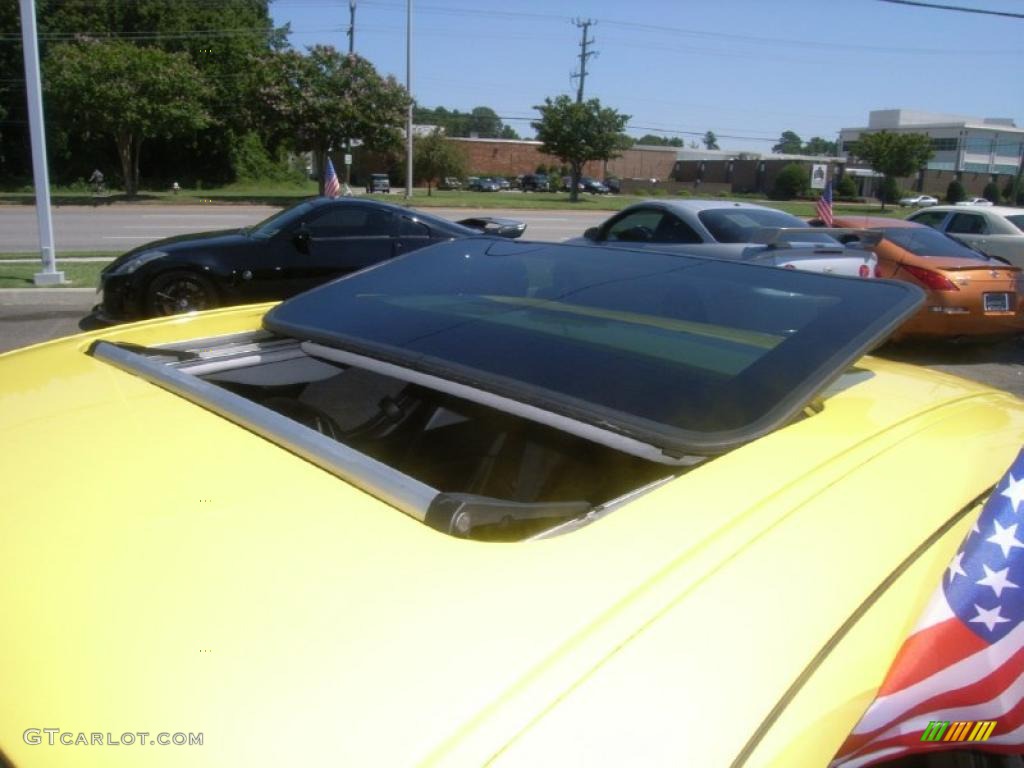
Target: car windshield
(274,224)
(1017,220)
(688,354)
(738,225)
(923,241)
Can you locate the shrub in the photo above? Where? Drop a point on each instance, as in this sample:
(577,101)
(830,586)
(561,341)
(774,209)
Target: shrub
(541,170)
(790,182)
(955,192)
(889,192)
(846,187)
(991,193)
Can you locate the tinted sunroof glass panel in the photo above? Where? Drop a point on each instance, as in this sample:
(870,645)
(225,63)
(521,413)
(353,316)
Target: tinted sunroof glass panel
(680,350)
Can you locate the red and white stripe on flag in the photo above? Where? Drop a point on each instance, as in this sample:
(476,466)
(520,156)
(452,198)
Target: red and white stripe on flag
(964,661)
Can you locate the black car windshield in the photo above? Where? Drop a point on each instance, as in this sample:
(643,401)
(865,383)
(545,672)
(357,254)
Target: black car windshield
(924,241)
(738,225)
(271,226)
(689,354)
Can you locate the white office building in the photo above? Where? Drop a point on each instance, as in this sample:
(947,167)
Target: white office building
(960,143)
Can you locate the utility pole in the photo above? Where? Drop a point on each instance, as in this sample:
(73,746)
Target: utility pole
(351,26)
(408,87)
(584,54)
(351,50)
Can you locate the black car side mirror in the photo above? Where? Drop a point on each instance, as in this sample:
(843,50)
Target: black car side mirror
(591,234)
(301,239)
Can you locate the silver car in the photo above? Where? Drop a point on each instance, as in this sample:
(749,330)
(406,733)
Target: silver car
(741,231)
(994,230)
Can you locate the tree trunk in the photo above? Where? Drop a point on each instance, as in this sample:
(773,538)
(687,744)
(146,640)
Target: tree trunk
(574,183)
(136,152)
(124,153)
(429,193)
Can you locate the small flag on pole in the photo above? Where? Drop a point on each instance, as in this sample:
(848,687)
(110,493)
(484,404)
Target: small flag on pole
(959,676)
(825,205)
(331,186)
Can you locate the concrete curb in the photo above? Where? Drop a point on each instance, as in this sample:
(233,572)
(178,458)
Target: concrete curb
(26,297)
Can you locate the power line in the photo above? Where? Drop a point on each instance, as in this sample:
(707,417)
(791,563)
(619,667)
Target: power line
(958,8)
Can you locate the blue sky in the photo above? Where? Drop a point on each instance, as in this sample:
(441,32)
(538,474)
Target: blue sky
(745,69)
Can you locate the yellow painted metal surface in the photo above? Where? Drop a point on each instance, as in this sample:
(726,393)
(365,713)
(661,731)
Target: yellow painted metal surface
(167,571)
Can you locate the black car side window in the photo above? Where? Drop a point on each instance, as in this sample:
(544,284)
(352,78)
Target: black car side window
(409,228)
(339,222)
(930,218)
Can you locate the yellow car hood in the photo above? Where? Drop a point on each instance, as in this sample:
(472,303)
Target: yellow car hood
(167,571)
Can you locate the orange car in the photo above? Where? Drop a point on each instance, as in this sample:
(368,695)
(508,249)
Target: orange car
(970,295)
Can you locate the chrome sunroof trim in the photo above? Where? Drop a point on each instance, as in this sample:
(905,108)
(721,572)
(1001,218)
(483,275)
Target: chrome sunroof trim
(375,478)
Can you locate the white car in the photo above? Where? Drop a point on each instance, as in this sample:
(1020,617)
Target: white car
(919,201)
(976,201)
(995,230)
(735,231)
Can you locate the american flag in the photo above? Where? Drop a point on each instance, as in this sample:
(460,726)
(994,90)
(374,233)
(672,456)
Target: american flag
(331,186)
(964,661)
(824,207)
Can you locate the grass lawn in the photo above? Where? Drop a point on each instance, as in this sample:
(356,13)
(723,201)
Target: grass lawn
(79,274)
(283,194)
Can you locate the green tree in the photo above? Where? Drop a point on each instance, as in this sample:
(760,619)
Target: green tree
(576,133)
(846,187)
(127,93)
(326,98)
(791,182)
(819,146)
(893,154)
(710,140)
(991,193)
(789,144)
(889,191)
(955,192)
(434,157)
(659,141)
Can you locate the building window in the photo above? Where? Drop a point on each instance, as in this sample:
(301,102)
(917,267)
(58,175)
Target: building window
(848,146)
(944,145)
(978,144)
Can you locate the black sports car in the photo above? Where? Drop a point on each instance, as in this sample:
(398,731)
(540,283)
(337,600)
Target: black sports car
(292,251)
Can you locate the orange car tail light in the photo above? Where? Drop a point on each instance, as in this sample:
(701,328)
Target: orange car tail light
(934,281)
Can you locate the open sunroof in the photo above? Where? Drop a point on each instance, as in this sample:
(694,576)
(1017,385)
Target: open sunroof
(688,354)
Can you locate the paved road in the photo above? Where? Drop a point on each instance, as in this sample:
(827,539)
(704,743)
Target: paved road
(29,316)
(120,227)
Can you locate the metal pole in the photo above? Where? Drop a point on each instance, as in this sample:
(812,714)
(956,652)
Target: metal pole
(408,87)
(40,175)
(351,50)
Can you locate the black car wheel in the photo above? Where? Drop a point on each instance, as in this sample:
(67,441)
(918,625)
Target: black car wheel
(173,293)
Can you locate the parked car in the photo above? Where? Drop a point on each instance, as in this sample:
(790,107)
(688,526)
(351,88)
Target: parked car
(742,231)
(919,201)
(485,184)
(292,251)
(535,182)
(969,294)
(449,182)
(593,186)
(379,182)
(503,183)
(567,184)
(614,184)
(473,527)
(976,201)
(995,230)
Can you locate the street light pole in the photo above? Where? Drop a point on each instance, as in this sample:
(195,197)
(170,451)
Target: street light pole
(40,174)
(408,88)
